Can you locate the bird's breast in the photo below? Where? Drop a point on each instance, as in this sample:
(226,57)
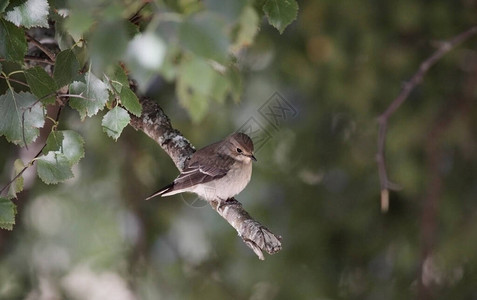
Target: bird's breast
(235,181)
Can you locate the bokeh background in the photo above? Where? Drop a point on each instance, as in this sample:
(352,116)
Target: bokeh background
(339,65)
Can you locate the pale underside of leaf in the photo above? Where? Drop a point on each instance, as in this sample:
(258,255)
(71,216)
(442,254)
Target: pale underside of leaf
(20,117)
(54,168)
(32,13)
(115,121)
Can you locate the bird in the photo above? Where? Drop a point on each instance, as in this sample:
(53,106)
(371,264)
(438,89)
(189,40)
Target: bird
(216,172)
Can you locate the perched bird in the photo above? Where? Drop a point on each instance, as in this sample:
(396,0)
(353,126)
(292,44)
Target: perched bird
(216,172)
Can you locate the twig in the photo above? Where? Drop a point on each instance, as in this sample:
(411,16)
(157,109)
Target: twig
(34,58)
(29,108)
(14,80)
(33,159)
(416,79)
(23,170)
(74,96)
(38,59)
(155,123)
(40,46)
(137,17)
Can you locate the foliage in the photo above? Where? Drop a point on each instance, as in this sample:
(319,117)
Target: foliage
(315,183)
(7,213)
(100,47)
(21,117)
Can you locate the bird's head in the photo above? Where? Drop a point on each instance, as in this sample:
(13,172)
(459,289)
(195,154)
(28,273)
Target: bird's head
(240,147)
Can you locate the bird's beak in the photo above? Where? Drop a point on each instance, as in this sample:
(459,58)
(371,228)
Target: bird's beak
(253,157)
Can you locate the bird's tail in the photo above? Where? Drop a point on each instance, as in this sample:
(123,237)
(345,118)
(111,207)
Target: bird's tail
(162,191)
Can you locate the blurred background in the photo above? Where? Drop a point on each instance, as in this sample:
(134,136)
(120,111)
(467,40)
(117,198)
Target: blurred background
(336,69)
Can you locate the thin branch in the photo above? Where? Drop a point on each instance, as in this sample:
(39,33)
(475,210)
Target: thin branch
(74,96)
(40,46)
(155,123)
(416,79)
(29,108)
(23,170)
(33,159)
(34,58)
(14,80)
(137,16)
(38,59)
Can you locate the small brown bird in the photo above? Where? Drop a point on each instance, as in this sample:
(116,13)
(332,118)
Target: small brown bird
(216,172)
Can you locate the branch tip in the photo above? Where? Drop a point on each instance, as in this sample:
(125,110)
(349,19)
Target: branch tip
(384,200)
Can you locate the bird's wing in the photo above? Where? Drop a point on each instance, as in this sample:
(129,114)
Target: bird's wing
(202,169)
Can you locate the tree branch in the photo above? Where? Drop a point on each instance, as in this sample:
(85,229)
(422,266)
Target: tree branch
(157,126)
(416,79)
(40,46)
(155,123)
(254,235)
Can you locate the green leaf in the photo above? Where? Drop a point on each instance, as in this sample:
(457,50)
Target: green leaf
(12,107)
(67,142)
(130,101)
(198,83)
(196,104)
(62,37)
(198,75)
(170,65)
(78,22)
(66,68)
(41,84)
(107,45)
(235,81)
(280,13)
(247,28)
(8,211)
(204,36)
(32,13)
(17,184)
(194,85)
(3,5)
(94,93)
(119,85)
(118,79)
(14,3)
(115,121)
(219,89)
(53,167)
(13,45)
(229,9)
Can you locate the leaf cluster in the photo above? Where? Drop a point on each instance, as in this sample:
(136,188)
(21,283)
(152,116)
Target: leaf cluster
(97,49)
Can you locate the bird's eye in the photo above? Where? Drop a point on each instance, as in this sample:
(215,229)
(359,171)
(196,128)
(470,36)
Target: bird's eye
(239,150)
